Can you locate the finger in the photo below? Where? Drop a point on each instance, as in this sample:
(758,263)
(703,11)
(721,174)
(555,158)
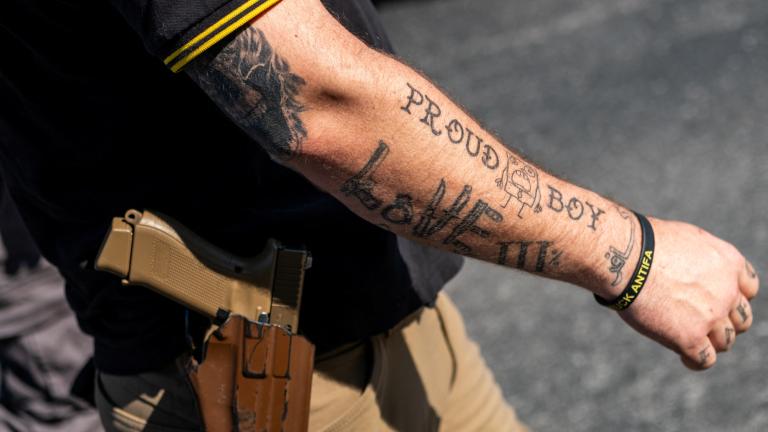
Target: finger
(741,315)
(701,358)
(723,335)
(749,281)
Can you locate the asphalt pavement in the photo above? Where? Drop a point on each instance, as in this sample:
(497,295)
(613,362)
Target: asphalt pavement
(659,104)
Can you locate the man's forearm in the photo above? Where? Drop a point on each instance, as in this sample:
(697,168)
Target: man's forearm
(396,150)
(424,169)
(393,148)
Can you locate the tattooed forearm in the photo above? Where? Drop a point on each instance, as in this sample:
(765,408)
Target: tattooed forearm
(428,112)
(618,259)
(468,225)
(545,254)
(361,184)
(431,111)
(520,181)
(257,89)
(433,220)
(400,212)
(574,208)
(450,225)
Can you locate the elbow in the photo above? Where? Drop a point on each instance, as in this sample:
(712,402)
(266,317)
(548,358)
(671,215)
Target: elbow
(342,109)
(335,132)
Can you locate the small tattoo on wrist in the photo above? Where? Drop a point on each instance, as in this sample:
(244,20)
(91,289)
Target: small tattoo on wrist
(618,259)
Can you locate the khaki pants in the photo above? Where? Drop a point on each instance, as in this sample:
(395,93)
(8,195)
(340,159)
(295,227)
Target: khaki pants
(423,375)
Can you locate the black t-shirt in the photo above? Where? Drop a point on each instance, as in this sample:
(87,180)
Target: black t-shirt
(93,123)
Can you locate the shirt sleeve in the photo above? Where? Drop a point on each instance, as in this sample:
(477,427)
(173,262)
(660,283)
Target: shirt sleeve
(177,31)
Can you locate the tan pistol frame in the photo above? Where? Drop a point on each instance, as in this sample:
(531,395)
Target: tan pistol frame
(153,250)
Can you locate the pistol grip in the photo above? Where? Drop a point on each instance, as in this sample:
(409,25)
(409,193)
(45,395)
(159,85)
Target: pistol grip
(147,250)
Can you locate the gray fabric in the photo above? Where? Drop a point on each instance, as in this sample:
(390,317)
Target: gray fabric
(30,299)
(42,350)
(31,291)
(37,371)
(430,268)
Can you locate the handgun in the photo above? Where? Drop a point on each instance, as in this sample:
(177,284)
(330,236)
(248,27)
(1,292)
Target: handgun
(256,372)
(154,250)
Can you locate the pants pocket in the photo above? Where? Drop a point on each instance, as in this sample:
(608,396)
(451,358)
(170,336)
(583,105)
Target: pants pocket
(432,352)
(345,390)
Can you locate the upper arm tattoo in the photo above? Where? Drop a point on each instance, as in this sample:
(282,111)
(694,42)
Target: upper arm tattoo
(256,88)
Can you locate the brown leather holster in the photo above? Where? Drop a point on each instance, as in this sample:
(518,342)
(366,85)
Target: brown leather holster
(254,377)
(255,373)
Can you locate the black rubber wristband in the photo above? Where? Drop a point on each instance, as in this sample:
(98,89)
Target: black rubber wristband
(641,273)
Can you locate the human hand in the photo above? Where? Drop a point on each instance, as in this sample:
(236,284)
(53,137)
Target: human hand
(697,296)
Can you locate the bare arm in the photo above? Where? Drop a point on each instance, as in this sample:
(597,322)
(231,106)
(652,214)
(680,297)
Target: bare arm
(392,147)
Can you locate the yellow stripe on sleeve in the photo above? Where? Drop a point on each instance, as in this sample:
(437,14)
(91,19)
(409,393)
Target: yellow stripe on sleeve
(221,29)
